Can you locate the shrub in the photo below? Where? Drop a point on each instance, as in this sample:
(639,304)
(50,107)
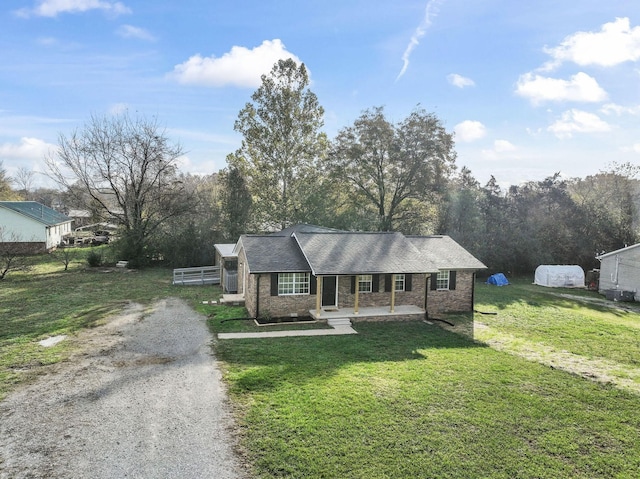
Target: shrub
(94,258)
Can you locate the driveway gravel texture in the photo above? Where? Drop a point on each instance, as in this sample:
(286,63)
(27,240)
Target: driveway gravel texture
(142,398)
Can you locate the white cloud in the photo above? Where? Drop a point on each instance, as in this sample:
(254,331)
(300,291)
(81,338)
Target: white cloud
(431,10)
(469,130)
(581,87)
(129,31)
(240,67)
(51,8)
(500,147)
(27,149)
(118,108)
(635,148)
(460,81)
(615,43)
(578,121)
(619,110)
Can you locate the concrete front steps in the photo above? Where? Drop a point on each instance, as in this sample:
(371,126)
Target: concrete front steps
(337,322)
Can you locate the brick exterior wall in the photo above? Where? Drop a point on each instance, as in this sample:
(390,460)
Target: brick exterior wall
(20,248)
(438,302)
(457,300)
(283,306)
(414,297)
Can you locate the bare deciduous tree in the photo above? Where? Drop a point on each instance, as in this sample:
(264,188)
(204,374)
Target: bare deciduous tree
(126,169)
(24,181)
(13,253)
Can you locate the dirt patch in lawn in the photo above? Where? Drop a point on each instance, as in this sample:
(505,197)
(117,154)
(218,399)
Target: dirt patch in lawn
(621,376)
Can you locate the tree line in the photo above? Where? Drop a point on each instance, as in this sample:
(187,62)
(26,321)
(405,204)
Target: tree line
(375,175)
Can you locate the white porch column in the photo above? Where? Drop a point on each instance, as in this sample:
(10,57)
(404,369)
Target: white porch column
(318,295)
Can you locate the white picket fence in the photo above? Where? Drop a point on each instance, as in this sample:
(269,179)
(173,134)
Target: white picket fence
(198,275)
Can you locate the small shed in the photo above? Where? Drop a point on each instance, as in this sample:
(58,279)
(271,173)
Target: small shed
(559,276)
(227,259)
(620,270)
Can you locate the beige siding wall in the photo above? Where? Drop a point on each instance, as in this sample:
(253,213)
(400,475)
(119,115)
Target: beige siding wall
(624,274)
(457,300)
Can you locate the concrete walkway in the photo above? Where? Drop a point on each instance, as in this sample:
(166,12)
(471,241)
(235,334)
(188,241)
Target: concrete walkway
(338,330)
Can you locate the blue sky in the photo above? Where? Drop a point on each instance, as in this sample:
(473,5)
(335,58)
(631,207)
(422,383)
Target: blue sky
(529,88)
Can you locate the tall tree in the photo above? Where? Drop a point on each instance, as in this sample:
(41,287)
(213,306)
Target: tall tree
(128,169)
(462,215)
(24,181)
(281,145)
(6,193)
(400,170)
(236,204)
(610,201)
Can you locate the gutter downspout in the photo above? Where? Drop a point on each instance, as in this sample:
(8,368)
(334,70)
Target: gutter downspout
(427,287)
(257,296)
(473,292)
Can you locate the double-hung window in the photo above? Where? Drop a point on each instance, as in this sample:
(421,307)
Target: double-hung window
(365,283)
(442,280)
(293,283)
(400,283)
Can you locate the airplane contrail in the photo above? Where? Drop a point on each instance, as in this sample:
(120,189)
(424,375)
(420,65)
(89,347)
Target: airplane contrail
(431,11)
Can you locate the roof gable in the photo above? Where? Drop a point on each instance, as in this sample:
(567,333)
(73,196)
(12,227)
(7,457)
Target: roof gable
(618,251)
(272,254)
(36,211)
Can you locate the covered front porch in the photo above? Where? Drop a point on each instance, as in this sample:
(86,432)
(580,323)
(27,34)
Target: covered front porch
(371,313)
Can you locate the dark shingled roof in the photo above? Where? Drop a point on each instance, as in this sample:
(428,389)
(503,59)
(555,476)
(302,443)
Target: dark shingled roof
(303,228)
(36,211)
(445,252)
(307,248)
(273,254)
(361,253)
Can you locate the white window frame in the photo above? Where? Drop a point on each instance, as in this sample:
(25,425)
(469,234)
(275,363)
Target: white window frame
(292,284)
(400,280)
(365,283)
(443,280)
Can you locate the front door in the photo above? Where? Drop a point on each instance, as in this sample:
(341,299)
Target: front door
(329,291)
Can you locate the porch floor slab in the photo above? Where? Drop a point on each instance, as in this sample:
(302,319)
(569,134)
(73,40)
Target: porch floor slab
(400,310)
(234,299)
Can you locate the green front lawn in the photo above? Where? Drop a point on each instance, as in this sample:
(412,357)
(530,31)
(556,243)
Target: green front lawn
(406,400)
(541,315)
(398,400)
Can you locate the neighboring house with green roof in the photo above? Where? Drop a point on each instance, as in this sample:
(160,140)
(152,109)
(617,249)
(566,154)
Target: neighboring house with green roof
(312,271)
(32,226)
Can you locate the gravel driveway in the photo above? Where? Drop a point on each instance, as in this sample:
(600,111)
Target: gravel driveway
(142,399)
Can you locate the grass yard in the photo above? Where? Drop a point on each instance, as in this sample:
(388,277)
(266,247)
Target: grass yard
(553,322)
(398,400)
(406,400)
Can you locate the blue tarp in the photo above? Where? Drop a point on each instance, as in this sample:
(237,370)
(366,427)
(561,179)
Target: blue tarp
(498,279)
